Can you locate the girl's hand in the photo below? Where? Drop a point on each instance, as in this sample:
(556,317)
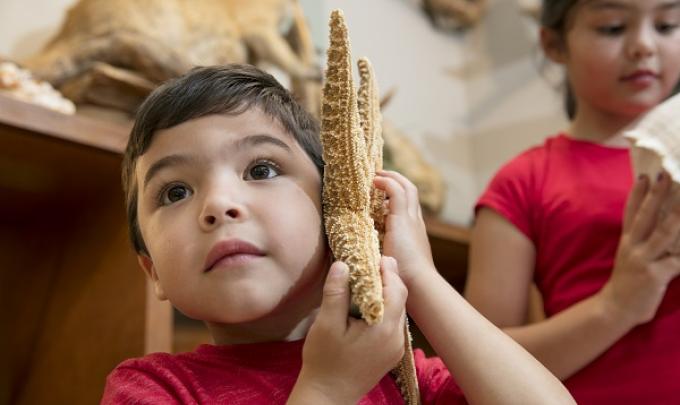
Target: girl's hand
(405,234)
(643,267)
(344,358)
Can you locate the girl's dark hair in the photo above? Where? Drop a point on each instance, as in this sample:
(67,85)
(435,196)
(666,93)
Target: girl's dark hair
(228,89)
(554,15)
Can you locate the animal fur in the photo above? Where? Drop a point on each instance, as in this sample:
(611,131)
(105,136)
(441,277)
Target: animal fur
(159,39)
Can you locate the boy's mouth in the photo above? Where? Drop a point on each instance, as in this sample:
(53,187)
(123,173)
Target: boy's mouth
(231,251)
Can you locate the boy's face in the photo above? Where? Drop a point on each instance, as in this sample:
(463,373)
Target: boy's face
(230,211)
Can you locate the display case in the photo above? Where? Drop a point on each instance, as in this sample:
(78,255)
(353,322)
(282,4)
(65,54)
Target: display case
(74,301)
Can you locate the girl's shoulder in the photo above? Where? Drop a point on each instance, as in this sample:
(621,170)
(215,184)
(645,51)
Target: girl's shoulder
(533,159)
(561,154)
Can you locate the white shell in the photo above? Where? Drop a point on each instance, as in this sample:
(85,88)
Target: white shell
(19,83)
(655,147)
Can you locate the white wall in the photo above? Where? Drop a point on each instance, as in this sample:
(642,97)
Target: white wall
(25,25)
(513,101)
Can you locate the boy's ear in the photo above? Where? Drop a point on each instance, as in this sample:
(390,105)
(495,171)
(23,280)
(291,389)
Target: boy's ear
(554,45)
(147,264)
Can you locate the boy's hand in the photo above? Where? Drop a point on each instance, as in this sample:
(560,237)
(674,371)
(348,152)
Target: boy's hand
(405,234)
(643,267)
(344,358)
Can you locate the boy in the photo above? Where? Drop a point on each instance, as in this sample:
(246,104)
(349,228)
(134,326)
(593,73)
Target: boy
(222,175)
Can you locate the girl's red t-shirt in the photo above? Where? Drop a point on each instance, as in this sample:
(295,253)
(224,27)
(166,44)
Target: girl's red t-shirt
(568,197)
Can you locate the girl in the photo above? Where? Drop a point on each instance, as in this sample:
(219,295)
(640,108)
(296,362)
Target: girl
(555,214)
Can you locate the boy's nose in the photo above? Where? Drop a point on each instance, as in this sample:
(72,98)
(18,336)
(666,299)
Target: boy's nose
(232,213)
(220,210)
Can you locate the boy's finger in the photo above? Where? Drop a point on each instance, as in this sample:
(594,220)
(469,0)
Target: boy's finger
(335,300)
(646,216)
(634,201)
(394,290)
(412,199)
(395,192)
(388,264)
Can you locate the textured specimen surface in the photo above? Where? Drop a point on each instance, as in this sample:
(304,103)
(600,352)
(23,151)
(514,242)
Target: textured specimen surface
(348,179)
(369,114)
(354,211)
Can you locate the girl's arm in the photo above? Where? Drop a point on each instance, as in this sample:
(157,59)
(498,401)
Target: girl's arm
(501,255)
(488,365)
(564,343)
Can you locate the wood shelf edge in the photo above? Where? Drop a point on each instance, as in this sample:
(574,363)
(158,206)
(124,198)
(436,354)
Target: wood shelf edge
(99,134)
(447,231)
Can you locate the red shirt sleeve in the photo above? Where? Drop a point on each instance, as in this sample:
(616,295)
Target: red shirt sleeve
(131,385)
(513,190)
(437,386)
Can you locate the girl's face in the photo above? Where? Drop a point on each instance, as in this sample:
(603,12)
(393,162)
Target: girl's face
(622,56)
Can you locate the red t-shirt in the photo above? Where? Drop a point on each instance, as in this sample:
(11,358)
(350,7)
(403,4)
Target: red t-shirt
(249,374)
(568,197)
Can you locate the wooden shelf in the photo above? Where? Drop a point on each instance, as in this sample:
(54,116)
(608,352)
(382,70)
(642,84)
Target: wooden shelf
(449,244)
(74,301)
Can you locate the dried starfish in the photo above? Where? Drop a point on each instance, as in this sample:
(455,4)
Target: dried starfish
(347,179)
(371,119)
(353,207)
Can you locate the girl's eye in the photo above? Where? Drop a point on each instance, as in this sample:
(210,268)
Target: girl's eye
(666,28)
(174,193)
(262,171)
(611,30)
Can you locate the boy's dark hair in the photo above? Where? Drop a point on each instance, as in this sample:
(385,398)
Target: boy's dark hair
(555,16)
(229,89)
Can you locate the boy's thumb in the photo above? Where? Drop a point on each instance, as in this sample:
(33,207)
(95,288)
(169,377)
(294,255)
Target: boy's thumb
(335,301)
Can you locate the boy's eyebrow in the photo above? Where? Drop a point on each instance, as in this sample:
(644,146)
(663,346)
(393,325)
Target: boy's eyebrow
(259,139)
(160,164)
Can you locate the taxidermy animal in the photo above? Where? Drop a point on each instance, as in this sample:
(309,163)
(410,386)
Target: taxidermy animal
(531,8)
(140,43)
(454,14)
(402,155)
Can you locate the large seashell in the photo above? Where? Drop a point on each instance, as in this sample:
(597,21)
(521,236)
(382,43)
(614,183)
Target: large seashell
(656,147)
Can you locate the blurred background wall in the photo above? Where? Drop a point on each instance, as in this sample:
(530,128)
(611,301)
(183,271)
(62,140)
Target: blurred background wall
(469,100)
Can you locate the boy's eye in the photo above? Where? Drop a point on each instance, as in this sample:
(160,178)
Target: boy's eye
(611,29)
(262,171)
(174,193)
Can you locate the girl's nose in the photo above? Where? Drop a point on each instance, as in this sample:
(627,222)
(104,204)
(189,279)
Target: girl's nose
(641,43)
